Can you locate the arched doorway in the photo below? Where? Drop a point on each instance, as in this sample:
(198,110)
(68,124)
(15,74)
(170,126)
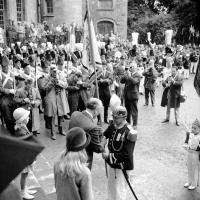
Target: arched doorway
(105,27)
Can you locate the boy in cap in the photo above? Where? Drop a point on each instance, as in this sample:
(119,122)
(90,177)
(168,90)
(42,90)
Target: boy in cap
(119,155)
(192,145)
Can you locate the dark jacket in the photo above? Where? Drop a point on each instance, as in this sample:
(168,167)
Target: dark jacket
(131,89)
(121,144)
(150,79)
(85,121)
(172,92)
(104,87)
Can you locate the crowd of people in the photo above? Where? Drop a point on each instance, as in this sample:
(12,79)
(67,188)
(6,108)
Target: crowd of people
(47,81)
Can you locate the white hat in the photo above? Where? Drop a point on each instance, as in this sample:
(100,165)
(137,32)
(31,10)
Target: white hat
(20,114)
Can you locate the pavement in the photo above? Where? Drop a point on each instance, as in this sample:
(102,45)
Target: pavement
(159,158)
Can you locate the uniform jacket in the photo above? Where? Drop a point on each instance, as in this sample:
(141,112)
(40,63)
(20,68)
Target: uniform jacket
(121,143)
(7,104)
(76,188)
(20,95)
(131,88)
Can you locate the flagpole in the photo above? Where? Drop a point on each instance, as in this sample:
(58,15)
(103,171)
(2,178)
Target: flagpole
(91,48)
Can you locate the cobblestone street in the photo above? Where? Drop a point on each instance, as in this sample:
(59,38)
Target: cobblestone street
(160,160)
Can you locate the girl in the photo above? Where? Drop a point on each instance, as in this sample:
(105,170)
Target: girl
(192,145)
(72,176)
(21,117)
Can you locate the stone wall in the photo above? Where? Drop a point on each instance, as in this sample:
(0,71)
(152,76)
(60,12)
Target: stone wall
(117,15)
(65,11)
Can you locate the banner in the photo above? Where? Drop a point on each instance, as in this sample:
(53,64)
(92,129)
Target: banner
(149,36)
(168,37)
(135,38)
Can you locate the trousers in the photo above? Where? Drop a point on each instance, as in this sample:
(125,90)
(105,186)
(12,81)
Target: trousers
(152,94)
(193,166)
(132,111)
(117,185)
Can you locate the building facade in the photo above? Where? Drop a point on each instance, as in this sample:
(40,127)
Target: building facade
(107,15)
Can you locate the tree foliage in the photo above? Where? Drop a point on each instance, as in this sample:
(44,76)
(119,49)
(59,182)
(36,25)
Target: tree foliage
(156,16)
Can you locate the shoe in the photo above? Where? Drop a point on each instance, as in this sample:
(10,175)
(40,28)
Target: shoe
(53,136)
(153,105)
(26,195)
(67,117)
(186,185)
(177,124)
(191,187)
(145,104)
(165,121)
(30,191)
(62,133)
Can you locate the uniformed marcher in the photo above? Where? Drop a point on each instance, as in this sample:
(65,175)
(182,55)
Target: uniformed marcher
(119,156)
(7,91)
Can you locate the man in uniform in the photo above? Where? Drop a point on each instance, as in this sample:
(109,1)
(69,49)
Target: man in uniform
(119,155)
(7,91)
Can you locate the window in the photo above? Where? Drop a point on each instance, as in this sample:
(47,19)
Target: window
(105,4)
(105,27)
(2,10)
(20,10)
(49,6)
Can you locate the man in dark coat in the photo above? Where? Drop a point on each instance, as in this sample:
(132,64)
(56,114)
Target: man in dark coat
(131,93)
(173,86)
(85,120)
(105,80)
(150,85)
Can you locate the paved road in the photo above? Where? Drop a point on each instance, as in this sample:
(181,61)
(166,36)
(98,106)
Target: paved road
(160,161)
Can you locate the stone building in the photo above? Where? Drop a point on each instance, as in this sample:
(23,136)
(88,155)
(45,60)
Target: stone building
(107,15)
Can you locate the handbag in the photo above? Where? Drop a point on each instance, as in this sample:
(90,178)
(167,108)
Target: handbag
(183,95)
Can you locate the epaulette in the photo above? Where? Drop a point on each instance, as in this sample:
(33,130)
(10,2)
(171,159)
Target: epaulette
(132,134)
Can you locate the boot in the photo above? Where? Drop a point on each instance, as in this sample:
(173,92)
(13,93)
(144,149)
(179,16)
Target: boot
(53,136)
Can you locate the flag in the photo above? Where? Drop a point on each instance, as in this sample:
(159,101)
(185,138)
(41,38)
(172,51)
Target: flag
(72,38)
(85,52)
(197,80)
(15,155)
(91,55)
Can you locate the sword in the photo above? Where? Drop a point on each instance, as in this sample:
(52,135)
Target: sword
(129,184)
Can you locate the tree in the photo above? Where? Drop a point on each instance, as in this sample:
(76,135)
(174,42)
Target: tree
(158,15)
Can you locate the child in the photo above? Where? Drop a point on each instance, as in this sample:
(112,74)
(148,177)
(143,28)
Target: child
(192,145)
(72,176)
(21,117)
